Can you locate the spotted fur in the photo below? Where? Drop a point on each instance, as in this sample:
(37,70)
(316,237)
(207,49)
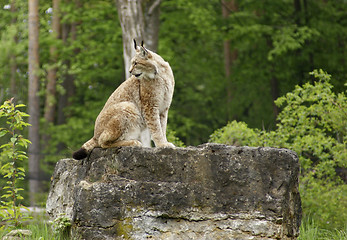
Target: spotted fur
(139,103)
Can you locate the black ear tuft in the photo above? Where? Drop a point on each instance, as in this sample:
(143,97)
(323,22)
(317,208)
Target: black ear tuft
(142,43)
(135,45)
(80,154)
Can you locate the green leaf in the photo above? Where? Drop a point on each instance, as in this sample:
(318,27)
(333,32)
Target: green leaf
(3,132)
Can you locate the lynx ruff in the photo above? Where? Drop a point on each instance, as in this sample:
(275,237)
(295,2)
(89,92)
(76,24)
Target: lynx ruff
(141,102)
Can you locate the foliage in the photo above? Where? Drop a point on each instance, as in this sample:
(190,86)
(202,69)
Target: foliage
(313,123)
(13,48)
(276,44)
(237,134)
(273,40)
(171,137)
(12,155)
(62,225)
(193,47)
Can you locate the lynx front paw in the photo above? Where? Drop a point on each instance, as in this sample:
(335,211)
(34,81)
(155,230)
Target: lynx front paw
(167,144)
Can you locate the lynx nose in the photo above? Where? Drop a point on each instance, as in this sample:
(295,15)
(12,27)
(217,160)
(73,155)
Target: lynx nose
(131,69)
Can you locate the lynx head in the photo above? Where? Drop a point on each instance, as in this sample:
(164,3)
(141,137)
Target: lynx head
(143,64)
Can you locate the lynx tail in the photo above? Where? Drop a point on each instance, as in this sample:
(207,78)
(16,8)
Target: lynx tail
(80,154)
(85,149)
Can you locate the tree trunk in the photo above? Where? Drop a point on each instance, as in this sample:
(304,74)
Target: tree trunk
(310,54)
(273,83)
(275,95)
(50,104)
(13,62)
(151,15)
(297,16)
(33,100)
(140,21)
(230,56)
(132,24)
(69,84)
(68,36)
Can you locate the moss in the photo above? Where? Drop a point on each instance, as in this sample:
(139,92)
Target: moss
(124,228)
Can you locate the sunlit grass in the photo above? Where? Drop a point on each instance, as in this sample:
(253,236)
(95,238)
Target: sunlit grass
(38,224)
(40,231)
(309,230)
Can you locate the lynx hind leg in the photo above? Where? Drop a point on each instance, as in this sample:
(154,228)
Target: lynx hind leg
(124,143)
(123,129)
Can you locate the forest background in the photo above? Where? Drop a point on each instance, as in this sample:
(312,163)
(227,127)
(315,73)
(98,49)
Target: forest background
(231,60)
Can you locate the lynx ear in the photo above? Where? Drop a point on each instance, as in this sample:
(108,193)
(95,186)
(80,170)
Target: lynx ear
(135,45)
(144,52)
(147,54)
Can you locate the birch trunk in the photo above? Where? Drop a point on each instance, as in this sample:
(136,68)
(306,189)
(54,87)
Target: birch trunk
(139,20)
(132,24)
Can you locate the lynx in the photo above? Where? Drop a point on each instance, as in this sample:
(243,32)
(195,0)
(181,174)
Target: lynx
(140,102)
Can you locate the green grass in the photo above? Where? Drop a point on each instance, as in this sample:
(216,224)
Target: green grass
(309,230)
(40,231)
(38,224)
(37,221)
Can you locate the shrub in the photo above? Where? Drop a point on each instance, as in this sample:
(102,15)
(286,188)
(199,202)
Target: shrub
(237,134)
(313,123)
(12,156)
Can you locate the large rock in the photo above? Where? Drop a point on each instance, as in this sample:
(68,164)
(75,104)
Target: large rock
(209,192)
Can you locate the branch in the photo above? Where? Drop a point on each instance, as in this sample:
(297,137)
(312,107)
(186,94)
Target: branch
(153,7)
(227,7)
